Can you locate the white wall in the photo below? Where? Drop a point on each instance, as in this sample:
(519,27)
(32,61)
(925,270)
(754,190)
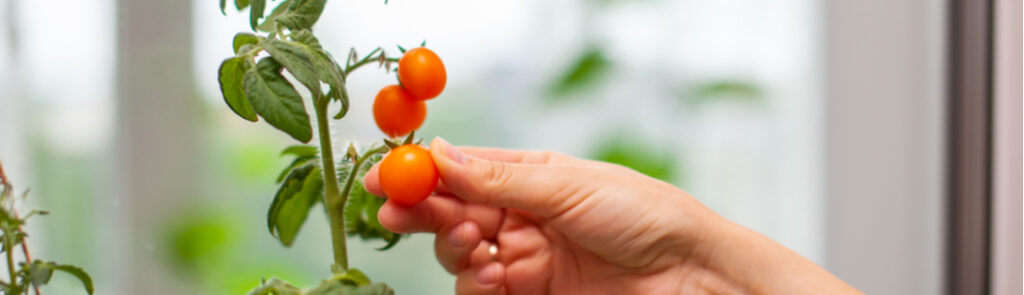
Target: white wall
(1006,203)
(884,124)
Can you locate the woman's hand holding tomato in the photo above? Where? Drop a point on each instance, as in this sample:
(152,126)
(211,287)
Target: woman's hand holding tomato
(570,226)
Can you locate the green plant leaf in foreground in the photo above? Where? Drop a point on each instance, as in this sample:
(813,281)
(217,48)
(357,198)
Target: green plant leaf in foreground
(299,192)
(276,100)
(241,4)
(309,63)
(256,12)
(351,282)
(230,77)
(302,14)
(270,23)
(276,286)
(242,39)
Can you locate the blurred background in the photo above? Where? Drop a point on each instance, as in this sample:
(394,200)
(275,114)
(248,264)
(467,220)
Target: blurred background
(816,123)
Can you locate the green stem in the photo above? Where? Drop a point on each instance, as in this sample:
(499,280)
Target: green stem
(333,201)
(9,247)
(372,57)
(356,165)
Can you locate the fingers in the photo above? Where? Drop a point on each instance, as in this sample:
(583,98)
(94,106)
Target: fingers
(481,280)
(453,246)
(543,189)
(438,212)
(371,180)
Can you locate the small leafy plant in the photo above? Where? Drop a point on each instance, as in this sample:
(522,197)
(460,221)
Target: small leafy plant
(254,86)
(29,274)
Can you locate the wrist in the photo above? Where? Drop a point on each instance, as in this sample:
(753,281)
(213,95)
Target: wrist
(755,264)
(702,246)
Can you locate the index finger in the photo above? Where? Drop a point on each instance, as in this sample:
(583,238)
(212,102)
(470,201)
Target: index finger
(371,180)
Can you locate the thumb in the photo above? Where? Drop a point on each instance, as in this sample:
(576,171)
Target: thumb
(545,189)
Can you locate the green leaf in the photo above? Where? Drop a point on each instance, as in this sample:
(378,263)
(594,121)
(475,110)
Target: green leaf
(230,77)
(39,273)
(304,154)
(328,69)
(297,60)
(7,219)
(256,12)
(336,288)
(586,70)
(276,100)
(276,286)
(310,64)
(361,209)
(302,14)
(301,150)
(80,274)
(302,188)
(334,93)
(270,23)
(350,282)
(242,39)
(223,4)
(352,276)
(298,162)
(241,4)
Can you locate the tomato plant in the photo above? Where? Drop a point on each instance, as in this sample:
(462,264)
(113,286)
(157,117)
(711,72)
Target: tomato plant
(408,174)
(254,86)
(422,73)
(30,274)
(396,112)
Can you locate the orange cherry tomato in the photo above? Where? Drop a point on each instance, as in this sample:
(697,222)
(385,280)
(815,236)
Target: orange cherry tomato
(396,113)
(422,73)
(407,174)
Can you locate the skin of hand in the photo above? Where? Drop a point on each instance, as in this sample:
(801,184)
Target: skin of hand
(572,226)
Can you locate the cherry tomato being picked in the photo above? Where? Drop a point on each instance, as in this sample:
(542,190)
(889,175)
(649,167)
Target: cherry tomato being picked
(422,73)
(396,113)
(407,174)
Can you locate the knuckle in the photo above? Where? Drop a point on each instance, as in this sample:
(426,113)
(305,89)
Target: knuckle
(497,176)
(555,157)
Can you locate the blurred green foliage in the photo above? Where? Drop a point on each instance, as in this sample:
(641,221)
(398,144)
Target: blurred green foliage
(200,237)
(638,155)
(209,245)
(722,90)
(588,68)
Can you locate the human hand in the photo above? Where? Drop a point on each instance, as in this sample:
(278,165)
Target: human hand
(566,225)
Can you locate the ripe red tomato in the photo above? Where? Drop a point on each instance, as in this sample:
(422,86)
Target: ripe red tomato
(407,174)
(397,113)
(422,73)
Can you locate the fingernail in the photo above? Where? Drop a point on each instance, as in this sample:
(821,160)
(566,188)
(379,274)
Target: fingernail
(459,235)
(490,274)
(449,150)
